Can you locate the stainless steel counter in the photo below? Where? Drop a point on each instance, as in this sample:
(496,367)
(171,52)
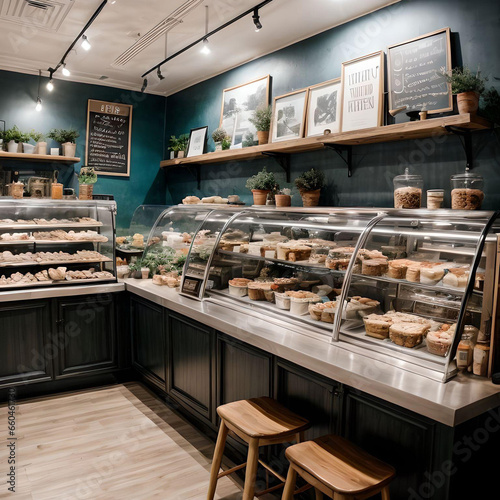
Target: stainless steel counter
(457,401)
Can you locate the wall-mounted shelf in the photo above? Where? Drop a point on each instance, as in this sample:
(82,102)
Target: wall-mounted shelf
(42,158)
(390,133)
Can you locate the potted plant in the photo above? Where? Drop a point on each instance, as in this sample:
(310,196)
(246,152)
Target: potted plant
(283,197)
(136,269)
(41,147)
(25,140)
(249,140)
(218,135)
(309,185)
(467,86)
(12,138)
(86,179)
(261,184)
(66,138)
(178,145)
(261,118)
(226,143)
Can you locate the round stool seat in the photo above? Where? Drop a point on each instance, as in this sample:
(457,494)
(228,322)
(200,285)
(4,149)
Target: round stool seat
(261,418)
(340,466)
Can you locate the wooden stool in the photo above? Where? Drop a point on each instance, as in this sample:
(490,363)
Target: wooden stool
(337,468)
(258,422)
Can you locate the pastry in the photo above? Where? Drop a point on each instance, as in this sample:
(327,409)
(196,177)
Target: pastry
(282,300)
(457,277)
(374,267)
(377,326)
(239,286)
(323,311)
(191,200)
(256,290)
(58,274)
(431,274)
(397,270)
(284,284)
(479,282)
(413,273)
(407,334)
(300,301)
(293,252)
(439,342)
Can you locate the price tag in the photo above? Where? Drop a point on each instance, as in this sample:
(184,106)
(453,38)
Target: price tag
(270,254)
(237,249)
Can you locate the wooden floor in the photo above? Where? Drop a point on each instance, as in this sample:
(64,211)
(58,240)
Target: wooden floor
(119,442)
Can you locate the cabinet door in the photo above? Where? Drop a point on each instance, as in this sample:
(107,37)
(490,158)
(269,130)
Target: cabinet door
(87,335)
(191,353)
(148,340)
(243,371)
(26,352)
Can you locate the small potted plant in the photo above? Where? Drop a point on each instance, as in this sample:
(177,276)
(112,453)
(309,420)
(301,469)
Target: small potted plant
(261,185)
(67,139)
(86,179)
(41,146)
(136,269)
(25,140)
(218,135)
(309,185)
(261,118)
(178,145)
(249,140)
(12,138)
(226,143)
(283,197)
(467,86)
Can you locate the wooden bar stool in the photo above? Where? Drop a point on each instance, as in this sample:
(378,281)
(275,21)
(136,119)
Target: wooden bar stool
(337,468)
(258,422)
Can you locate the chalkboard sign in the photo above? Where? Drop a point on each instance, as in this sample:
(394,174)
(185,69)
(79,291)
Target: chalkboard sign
(414,78)
(109,127)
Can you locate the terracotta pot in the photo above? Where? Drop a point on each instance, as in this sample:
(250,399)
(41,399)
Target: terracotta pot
(468,102)
(263,137)
(69,149)
(283,200)
(86,191)
(310,198)
(260,196)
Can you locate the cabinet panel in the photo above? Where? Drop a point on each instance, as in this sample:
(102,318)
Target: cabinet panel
(192,368)
(27,350)
(148,340)
(400,438)
(87,333)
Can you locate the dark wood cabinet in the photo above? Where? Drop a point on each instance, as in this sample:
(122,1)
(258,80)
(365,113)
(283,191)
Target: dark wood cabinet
(191,363)
(86,335)
(27,347)
(147,324)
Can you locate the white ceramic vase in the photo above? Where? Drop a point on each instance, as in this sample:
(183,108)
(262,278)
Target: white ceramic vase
(12,146)
(28,149)
(69,149)
(41,148)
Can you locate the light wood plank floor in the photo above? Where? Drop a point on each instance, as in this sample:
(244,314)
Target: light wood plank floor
(118,442)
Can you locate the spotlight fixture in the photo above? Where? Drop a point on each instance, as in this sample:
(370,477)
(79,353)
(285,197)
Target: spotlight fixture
(206,48)
(85,43)
(38,106)
(160,76)
(66,71)
(50,85)
(144,85)
(256,20)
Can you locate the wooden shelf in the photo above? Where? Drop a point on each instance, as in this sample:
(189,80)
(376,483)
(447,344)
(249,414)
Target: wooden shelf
(42,158)
(398,132)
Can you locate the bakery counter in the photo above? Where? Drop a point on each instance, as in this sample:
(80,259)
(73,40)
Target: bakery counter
(452,403)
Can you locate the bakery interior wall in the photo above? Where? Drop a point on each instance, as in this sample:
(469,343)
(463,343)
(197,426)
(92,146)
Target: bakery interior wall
(474,27)
(66,107)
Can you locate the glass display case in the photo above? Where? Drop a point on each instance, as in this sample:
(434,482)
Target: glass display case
(399,286)
(56,242)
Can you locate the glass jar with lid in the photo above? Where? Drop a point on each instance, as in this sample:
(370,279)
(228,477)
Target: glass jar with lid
(408,190)
(467,191)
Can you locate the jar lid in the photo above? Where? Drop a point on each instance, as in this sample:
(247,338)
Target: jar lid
(467,176)
(408,177)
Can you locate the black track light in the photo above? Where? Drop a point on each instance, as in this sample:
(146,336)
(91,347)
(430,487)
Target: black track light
(160,76)
(256,20)
(144,85)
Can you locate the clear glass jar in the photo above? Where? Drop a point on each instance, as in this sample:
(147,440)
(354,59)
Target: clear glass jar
(467,191)
(465,350)
(435,199)
(408,190)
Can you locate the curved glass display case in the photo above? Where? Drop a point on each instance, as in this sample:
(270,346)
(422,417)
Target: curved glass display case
(56,242)
(398,286)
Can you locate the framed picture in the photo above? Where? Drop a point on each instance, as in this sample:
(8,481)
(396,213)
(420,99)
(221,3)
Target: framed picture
(238,105)
(289,116)
(414,73)
(197,141)
(323,108)
(362,92)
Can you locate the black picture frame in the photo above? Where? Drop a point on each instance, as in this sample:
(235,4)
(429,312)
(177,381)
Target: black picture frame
(195,136)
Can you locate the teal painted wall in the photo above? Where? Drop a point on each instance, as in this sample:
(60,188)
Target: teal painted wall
(66,107)
(475,42)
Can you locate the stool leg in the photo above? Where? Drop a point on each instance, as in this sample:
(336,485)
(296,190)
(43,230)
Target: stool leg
(251,472)
(218,453)
(385,493)
(319,495)
(290,484)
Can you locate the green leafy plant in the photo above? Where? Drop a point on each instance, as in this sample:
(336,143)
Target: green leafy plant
(226,142)
(261,118)
(87,175)
(36,136)
(62,136)
(311,180)
(285,191)
(490,106)
(264,180)
(178,143)
(464,80)
(13,134)
(219,134)
(136,266)
(249,140)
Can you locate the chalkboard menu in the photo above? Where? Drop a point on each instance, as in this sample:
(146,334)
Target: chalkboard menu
(414,79)
(109,126)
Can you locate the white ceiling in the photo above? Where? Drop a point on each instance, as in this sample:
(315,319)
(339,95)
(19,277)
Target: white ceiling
(27,47)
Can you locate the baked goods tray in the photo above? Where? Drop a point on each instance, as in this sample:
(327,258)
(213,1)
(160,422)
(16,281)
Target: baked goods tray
(352,330)
(39,284)
(46,242)
(53,263)
(35,227)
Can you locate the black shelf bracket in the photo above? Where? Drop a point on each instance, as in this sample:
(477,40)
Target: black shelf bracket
(340,151)
(192,168)
(283,160)
(465,135)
